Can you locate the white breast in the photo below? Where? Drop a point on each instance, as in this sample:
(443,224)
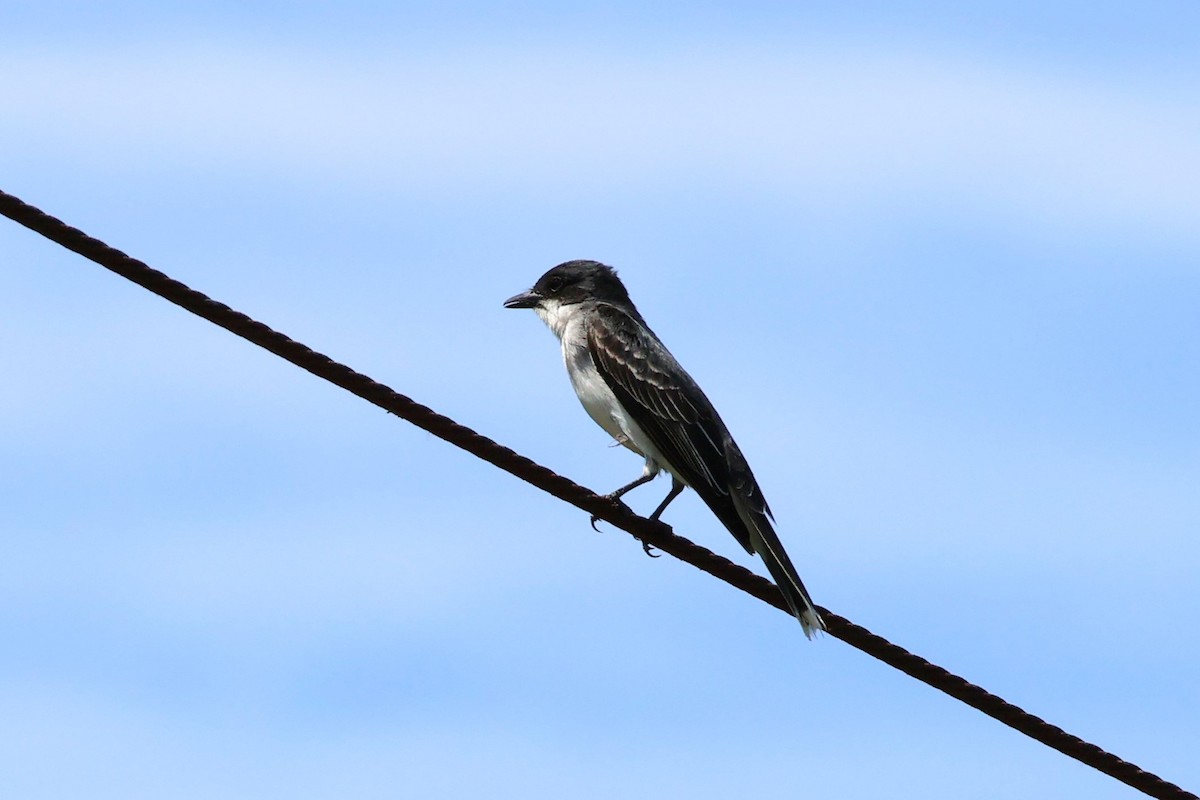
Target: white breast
(597,399)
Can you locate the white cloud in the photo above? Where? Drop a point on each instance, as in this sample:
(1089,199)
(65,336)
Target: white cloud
(824,124)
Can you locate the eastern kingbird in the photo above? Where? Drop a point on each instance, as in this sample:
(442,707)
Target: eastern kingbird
(635,390)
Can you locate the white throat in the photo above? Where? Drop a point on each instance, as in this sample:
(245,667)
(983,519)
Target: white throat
(556,315)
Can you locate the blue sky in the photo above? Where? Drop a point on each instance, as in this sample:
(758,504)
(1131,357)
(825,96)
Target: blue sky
(936,266)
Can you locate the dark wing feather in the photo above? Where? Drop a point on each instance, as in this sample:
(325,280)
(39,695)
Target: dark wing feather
(684,427)
(669,408)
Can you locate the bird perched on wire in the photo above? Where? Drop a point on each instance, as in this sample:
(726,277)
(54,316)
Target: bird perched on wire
(634,389)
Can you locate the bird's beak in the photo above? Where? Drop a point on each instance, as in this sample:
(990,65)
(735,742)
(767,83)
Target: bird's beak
(523,300)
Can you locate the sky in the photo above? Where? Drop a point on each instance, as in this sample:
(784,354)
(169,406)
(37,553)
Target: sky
(936,266)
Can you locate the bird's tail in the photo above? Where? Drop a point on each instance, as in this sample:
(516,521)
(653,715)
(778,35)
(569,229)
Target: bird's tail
(766,543)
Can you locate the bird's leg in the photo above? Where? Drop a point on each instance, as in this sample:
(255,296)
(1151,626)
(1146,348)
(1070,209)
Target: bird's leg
(645,478)
(677,486)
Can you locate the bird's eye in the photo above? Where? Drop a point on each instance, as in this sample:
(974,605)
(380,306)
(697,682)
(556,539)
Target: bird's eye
(554,284)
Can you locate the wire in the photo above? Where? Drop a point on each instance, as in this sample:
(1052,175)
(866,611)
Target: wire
(654,533)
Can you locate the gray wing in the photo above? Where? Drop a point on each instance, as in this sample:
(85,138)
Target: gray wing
(670,409)
(678,418)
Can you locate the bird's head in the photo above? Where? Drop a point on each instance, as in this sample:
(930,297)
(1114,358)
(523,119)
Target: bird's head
(570,283)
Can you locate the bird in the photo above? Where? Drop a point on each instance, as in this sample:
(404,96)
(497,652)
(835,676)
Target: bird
(633,388)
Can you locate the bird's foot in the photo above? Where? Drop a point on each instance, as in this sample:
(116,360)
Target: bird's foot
(616,498)
(612,497)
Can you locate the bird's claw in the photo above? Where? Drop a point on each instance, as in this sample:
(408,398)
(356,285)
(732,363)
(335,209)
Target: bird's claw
(616,498)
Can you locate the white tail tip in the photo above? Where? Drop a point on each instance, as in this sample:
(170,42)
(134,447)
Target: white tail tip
(811,622)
